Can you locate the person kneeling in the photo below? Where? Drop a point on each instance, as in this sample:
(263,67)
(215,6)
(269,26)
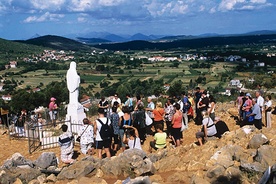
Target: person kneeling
(66,142)
(159,138)
(208,128)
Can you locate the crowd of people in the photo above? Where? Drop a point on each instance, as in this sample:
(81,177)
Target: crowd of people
(251,109)
(122,126)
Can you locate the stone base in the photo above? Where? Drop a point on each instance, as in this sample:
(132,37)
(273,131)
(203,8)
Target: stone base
(76,113)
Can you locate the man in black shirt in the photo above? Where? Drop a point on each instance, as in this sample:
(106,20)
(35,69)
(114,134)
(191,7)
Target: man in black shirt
(103,104)
(197,98)
(202,106)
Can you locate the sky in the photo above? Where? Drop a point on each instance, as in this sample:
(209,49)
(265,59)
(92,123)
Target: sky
(22,19)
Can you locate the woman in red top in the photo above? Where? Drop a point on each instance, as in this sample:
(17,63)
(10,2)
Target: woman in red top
(176,124)
(159,114)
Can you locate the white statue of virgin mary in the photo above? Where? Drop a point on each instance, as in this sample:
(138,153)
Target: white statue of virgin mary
(73,82)
(75,110)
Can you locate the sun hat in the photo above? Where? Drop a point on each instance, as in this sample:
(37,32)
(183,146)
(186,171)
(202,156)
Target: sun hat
(52,99)
(248,94)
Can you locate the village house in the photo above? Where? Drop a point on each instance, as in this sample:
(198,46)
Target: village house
(166,87)
(86,102)
(13,64)
(6,97)
(234,82)
(156,58)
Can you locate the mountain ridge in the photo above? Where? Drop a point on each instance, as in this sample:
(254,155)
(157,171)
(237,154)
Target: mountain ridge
(137,42)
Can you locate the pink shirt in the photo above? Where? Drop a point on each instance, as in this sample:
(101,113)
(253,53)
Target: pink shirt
(248,106)
(177,120)
(52,106)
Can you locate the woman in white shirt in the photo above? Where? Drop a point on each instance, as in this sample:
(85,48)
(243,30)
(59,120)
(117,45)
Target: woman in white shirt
(86,133)
(268,109)
(131,137)
(208,128)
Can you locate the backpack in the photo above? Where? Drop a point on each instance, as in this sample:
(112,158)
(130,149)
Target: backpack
(106,131)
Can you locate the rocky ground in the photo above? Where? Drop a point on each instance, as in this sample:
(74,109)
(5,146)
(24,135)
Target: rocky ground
(189,163)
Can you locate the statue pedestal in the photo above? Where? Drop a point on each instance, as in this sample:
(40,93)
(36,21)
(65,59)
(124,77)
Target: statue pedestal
(76,113)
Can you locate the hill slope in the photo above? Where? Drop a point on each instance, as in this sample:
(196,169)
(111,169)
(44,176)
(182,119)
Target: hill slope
(57,42)
(10,50)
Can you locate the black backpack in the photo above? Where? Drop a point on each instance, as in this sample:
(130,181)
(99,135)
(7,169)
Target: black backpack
(106,131)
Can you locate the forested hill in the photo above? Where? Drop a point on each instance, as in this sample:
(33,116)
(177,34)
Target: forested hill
(191,43)
(7,46)
(57,42)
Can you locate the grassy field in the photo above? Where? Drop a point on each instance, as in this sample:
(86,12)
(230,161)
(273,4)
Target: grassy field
(155,71)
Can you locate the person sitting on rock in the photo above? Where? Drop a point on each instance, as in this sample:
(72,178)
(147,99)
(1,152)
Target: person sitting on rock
(159,139)
(66,142)
(208,128)
(131,137)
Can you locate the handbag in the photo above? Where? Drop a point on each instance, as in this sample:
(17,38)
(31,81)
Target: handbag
(183,126)
(79,137)
(268,109)
(148,119)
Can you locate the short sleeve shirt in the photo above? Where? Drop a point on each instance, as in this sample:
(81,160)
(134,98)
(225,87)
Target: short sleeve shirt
(160,139)
(99,126)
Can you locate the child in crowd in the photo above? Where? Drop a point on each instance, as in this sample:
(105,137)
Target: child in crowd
(66,142)
(159,138)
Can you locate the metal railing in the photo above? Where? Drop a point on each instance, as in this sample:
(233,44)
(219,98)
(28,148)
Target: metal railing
(44,135)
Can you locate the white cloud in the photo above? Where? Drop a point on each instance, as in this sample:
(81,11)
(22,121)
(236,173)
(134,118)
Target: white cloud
(82,19)
(45,17)
(258,1)
(247,7)
(110,2)
(48,4)
(173,8)
(228,5)
(201,8)
(123,10)
(179,8)
(213,10)
(82,5)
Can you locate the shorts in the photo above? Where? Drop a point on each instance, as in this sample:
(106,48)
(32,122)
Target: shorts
(103,144)
(200,135)
(176,133)
(153,145)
